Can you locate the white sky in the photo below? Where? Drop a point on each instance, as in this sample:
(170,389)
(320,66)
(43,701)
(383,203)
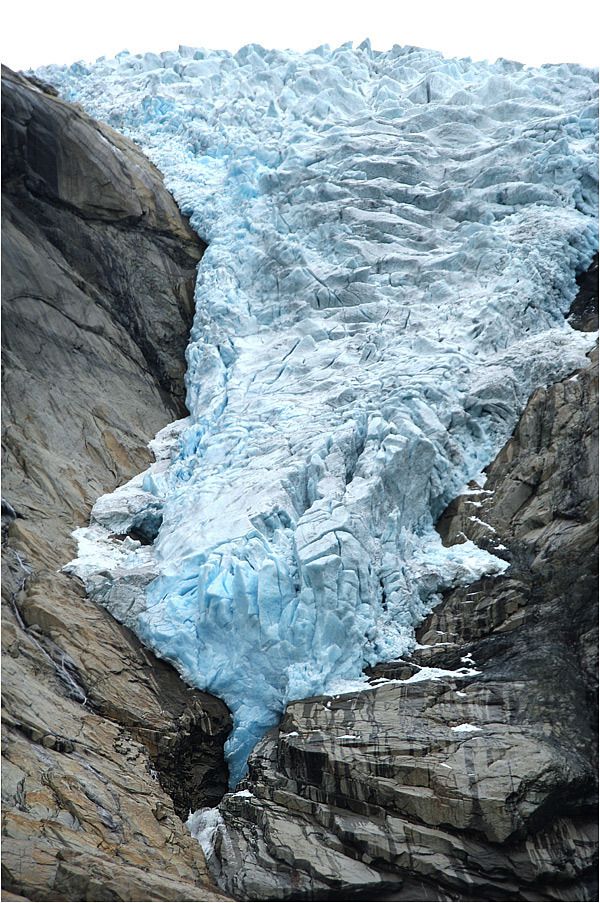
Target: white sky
(36,32)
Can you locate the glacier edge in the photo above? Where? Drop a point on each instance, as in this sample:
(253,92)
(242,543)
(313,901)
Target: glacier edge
(391,256)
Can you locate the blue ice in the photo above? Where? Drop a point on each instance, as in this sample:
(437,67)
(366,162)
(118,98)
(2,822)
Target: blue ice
(393,244)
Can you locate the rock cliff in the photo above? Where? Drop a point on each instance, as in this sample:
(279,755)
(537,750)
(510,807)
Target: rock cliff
(466,772)
(104,747)
(475,780)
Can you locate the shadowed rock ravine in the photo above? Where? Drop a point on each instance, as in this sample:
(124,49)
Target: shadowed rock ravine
(104,747)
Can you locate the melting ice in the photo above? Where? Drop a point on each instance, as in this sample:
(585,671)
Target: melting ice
(393,243)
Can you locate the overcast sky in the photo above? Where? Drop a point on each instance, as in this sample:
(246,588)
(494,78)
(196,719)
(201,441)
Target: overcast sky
(36,32)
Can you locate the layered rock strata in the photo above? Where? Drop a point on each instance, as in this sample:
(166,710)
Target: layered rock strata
(104,747)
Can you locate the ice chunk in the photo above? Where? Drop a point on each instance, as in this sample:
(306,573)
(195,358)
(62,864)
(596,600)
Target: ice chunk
(205,825)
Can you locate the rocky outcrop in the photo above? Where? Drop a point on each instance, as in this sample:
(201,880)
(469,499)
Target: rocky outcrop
(469,771)
(104,747)
(584,310)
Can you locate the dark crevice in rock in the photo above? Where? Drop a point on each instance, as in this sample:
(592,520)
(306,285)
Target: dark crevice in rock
(583,313)
(191,764)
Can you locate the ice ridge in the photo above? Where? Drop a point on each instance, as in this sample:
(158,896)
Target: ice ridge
(393,244)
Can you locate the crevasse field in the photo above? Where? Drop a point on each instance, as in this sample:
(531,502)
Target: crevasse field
(393,244)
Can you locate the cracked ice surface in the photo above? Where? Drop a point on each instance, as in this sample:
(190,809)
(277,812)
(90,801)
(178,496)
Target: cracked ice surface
(394,239)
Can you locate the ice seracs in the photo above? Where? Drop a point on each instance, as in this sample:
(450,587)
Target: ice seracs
(394,239)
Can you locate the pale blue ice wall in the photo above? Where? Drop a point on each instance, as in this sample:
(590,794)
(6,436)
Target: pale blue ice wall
(394,239)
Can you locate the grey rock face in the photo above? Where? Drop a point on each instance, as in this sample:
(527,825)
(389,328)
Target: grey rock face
(479,781)
(104,747)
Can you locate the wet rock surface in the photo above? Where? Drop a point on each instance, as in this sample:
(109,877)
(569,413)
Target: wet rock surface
(476,781)
(104,747)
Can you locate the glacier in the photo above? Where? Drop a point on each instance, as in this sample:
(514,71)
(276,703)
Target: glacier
(393,241)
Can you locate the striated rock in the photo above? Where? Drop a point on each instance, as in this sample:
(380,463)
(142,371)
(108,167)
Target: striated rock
(468,772)
(104,747)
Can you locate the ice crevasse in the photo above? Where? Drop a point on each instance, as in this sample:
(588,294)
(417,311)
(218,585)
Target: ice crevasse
(393,244)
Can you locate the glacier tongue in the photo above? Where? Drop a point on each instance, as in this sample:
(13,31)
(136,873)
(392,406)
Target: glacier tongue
(394,239)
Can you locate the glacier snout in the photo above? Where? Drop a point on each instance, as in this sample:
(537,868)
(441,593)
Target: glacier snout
(394,239)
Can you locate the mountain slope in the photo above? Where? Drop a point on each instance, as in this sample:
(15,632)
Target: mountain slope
(97,278)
